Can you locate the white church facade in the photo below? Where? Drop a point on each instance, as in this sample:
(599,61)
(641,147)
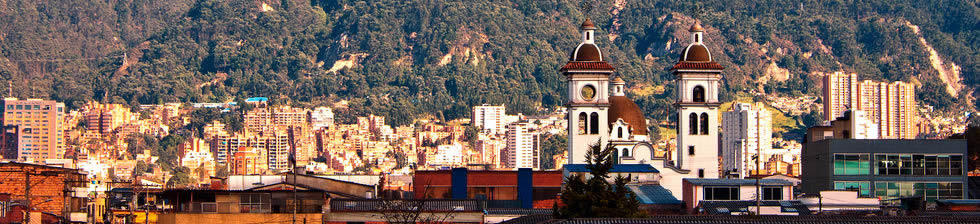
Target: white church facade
(599,112)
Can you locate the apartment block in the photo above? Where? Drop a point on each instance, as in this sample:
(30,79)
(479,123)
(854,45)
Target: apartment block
(523,148)
(891,106)
(746,132)
(489,118)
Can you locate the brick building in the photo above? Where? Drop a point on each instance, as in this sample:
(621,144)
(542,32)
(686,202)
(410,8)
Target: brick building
(51,188)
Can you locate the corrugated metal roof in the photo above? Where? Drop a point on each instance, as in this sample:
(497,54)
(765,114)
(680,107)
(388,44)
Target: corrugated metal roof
(739,182)
(377,205)
(654,194)
(620,168)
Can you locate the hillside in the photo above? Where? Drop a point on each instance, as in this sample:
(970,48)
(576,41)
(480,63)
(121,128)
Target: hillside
(403,59)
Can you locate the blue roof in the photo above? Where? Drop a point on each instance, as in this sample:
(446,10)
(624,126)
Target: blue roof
(740,182)
(654,194)
(618,168)
(257,99)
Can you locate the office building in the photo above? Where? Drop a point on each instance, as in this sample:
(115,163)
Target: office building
(746,132)
(886,168)
(40,128)
(523,147)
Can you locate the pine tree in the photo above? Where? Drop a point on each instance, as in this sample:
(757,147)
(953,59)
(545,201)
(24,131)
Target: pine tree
(596,197)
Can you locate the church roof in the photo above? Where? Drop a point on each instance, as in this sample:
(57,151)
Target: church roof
(623,107)
(595,65)
(586,52)
(696,53)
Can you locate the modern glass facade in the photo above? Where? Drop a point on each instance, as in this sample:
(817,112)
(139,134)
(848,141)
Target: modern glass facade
(929,190)
(863,187)
(852,164)
(919,164)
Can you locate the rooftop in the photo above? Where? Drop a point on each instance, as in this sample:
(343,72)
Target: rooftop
(620,168)
(740,182)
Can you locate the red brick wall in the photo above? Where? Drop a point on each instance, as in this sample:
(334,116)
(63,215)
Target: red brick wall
(47,188)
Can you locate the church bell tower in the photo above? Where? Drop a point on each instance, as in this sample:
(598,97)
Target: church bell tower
(587,78)
(696,77)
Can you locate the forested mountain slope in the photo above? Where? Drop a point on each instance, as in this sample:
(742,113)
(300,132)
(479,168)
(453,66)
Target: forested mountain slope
(403,59)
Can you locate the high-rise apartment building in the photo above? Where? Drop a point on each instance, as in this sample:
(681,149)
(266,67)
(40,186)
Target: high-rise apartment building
(839,89)
(260,119)
(523,148)
(39,125)
(747,132)
(489,118)
(889,105)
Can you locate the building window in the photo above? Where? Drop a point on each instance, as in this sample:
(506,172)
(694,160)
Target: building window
(852,164)
(918,164)
(862,187)
(582,121)
(693,121)
(594,120)
(772,193)
(698,94)
(255,203)
(704,124)
(700,173)
(626,152)
(720,193)
(690,150)
(619,132)
(930,191)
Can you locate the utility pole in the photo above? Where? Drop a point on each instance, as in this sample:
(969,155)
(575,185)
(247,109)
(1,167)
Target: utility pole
(758,185)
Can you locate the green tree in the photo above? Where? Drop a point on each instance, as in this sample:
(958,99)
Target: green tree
(596,197)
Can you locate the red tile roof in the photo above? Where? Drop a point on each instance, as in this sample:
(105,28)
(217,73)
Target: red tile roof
(687,65)
(587,65)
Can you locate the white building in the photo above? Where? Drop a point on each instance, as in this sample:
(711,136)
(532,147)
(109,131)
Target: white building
(862,127)
(448,155)
(489,118)
(523,147)
(747,132)
(321,117)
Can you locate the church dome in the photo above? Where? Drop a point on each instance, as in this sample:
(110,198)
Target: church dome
(696,53)
(586,52)
(621,107)
(696,28)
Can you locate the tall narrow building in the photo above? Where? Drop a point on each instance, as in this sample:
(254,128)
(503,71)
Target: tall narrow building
(839,91)
(40,128)
(587,79)
(746,132)
(523,147)
(696,77)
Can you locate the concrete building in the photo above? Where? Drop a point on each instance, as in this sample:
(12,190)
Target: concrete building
(747,132)
(852,125)
(489,118)
(321,117)
(887,168)
(448,155)
(891,106)
(40,128)
(530,189)
(523,147)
